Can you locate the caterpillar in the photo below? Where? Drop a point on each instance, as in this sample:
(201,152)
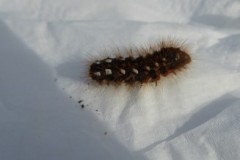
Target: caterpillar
(147,66)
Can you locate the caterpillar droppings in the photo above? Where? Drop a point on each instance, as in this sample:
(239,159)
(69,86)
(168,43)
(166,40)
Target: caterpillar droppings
(148,66)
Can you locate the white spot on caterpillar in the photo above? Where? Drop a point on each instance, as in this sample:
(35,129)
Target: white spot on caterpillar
(108,60)
(108,71)
(177,57)
(97,74)
(148,68)
(156,64)
(98,62)
(164,59)
(135,70)
(123,71)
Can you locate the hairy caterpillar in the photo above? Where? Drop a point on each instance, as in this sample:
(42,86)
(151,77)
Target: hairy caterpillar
(147,66)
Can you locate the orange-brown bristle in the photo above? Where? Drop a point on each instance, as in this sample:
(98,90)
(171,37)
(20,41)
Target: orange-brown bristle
(142,69)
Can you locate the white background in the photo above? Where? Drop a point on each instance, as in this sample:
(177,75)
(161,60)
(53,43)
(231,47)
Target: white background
(44,48)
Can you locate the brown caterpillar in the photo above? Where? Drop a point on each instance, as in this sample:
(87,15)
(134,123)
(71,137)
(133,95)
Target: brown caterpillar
(147,67)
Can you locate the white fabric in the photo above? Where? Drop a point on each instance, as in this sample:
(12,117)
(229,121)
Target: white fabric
(44,50)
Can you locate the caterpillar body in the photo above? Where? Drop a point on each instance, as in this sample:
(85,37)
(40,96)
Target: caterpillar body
(147,67)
